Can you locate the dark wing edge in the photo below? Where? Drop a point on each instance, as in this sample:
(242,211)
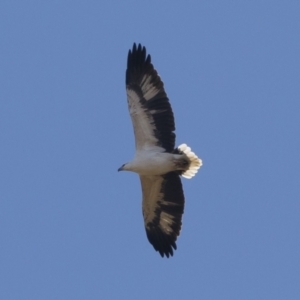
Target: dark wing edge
(164,228)
(142,78)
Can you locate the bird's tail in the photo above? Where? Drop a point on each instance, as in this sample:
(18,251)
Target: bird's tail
(195,161)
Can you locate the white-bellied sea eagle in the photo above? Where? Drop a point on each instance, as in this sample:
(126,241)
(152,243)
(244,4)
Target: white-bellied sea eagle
(157,161)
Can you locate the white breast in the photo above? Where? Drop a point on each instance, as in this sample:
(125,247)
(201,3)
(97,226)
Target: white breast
(152,163)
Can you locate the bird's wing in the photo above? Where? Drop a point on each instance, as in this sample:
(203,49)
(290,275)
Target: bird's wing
(163,206)
(149,106)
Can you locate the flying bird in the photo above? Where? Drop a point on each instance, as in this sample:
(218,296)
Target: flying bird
(157,161)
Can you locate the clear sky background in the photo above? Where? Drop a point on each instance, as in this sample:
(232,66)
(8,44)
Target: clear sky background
(71,226)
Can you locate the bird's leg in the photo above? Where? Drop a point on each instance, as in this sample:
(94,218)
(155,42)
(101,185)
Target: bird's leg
(182,163)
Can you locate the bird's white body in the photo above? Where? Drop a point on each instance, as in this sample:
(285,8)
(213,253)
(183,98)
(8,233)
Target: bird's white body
(153,163)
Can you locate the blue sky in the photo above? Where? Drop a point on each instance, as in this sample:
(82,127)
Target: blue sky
(71,226)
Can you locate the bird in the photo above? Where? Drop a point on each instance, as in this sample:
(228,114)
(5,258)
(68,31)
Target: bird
(157,162)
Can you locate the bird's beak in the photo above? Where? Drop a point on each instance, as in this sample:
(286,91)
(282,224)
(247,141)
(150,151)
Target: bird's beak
(120,169)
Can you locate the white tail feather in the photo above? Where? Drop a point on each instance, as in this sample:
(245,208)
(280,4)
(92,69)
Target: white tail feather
(195,161)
